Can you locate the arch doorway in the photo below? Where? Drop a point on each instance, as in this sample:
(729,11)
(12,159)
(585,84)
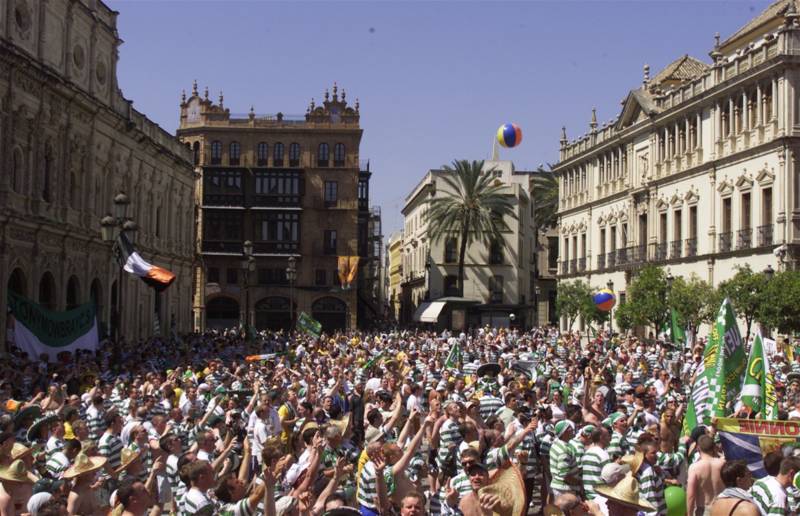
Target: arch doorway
(96,293)
(17,283)
(222,312)
(47,291)
(73,292)
(331,312)
(272,313)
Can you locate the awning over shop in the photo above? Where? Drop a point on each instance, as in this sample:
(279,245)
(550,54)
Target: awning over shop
(429,312)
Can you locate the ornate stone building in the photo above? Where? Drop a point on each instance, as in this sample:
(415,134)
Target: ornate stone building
(69,142)
(699,171)
(295,188)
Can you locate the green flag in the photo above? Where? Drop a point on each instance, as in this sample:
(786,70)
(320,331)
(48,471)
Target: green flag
(677,334)
(718,378)
(454,357)
(372,361)
(309,325)
(758,391)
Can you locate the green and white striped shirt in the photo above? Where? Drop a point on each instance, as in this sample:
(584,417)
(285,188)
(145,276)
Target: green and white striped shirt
(651,488)
(110,447)
(769,496)
(619,445)
(196,502)
(449,435)
(562,463)
(57,464)
(368,486)
(592,462)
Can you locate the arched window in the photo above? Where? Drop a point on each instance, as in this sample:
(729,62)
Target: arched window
(196,153)
(47,291)
(216,153)
(235,152)
(261,154)
(294,155)
(17,283)
(47,174)
(73,292)
(17,170)
(323,155)
(277,155)
(338,155)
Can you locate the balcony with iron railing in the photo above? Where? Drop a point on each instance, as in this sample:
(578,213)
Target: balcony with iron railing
(573,263)
(276,247)
(601,261)
(675,249)
(744,238)
(611,259)
(765,235)
(223,246)
(623,256)
(223,199)
(660,252)
(724,241)
(261,200)
(581,264)
(691,247)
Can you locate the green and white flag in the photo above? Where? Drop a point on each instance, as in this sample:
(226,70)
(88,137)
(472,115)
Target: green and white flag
(676,333)
(453,357)
(38,330)
(758,391)
(718,378)
(309,325)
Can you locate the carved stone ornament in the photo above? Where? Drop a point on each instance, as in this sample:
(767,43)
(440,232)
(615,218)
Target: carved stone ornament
(23,19)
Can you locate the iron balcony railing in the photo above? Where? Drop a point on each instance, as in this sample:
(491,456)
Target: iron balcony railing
(661,251)
(275,247)
(765,235)
(744,238)
(675,248)
(601,262)
(623,256)
(691,247)
(611,259)
(573,265)
(724,244)
(581,264)
(217,246)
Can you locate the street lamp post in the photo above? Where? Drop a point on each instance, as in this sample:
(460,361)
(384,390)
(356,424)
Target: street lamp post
(247,266)
(610,286)
(111,226)
(291,275)
(769,272)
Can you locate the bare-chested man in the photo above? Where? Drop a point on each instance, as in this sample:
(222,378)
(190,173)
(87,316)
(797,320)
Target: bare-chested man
(474,504)
(704,482)
(399,460)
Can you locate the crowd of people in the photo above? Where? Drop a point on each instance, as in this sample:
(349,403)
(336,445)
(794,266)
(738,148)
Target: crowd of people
(490,421)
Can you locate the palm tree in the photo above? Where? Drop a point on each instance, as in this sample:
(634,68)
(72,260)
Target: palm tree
(544,195)
(473,206)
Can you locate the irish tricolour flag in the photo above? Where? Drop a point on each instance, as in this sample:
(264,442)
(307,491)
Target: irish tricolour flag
(130,260)
(38,330)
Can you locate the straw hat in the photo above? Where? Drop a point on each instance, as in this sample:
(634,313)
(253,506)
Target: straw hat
(126,457)
(626,492)
(17,471)
(33,430)
(508,485)
(340,423)
(84,464)
(19,450)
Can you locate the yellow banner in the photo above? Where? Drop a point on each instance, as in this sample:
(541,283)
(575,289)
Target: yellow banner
(761,427)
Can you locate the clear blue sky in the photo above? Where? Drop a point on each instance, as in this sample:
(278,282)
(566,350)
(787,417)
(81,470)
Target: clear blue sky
(435,79)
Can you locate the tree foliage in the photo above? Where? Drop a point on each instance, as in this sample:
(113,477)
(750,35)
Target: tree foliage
(695,301)
(782,297)
(748,293)
(472,206)
(574,299)
(544,196)
(647,298)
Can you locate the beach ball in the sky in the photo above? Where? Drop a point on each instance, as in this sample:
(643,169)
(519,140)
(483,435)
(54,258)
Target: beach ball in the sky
(604,300)
(509,135)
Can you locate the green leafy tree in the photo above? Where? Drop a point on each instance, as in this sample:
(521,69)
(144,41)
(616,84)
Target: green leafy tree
(624,316)
(647,297)
(573,300)
(472,206)
(747,291)
(695,301)
(782,304)
(544,196)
